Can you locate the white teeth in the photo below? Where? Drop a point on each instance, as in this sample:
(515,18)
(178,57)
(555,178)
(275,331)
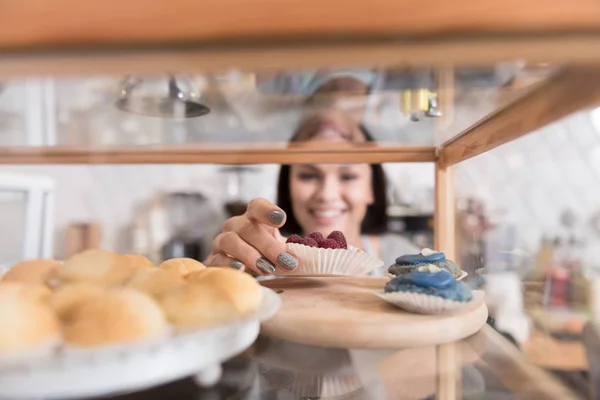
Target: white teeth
(327,214)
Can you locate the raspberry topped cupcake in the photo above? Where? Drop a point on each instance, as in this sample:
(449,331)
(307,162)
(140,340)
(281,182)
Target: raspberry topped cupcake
(331,255)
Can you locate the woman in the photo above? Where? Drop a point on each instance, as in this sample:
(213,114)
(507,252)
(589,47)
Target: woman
(313,198)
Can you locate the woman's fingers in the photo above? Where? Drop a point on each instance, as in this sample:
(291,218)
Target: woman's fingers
(223,260)
(265,212)
(234,246)
(252,244)
(262,239)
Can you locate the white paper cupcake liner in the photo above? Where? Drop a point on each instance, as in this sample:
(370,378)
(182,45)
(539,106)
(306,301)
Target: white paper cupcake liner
(317,261)
(428,304)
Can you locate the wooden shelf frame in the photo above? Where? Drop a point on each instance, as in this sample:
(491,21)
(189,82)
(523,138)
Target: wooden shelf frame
(68,37)
(570,91)
(34,24)
(220,154)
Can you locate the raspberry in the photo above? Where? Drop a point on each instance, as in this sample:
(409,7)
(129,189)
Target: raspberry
(330,244)
(317,237)
(310,242)
(294,239)
(340,238)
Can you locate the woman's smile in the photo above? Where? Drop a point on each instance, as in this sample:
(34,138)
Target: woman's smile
(327,216)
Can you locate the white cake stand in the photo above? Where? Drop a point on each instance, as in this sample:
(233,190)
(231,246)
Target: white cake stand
(102,372)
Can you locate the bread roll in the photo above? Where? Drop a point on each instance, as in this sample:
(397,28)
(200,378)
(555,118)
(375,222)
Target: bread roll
(96,266)
(38,271)
(215,298)
(196,276)
(241,289)
(155,281)
(28,324)
(120,316)
(182,266)
(138,261)
(197,306)
(66,299)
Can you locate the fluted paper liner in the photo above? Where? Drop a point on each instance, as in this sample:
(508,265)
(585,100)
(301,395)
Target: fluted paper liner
(317,261)
(428,304)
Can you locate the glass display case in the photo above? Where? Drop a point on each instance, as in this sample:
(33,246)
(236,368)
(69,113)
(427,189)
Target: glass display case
(166,96)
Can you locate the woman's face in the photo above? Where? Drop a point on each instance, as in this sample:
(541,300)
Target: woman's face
(327,197)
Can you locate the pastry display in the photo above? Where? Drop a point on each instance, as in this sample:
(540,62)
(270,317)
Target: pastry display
(182,266)
(39,271)
(102,298)
(241,289)
(155,281)
(96,266)
(217,297)
(429,289)
(66,299)
(410,262)
(30,328)
(138,261)
(331,255)
(432,281)
(118,316)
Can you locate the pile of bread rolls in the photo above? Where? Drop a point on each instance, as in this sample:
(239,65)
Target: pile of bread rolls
(100,298)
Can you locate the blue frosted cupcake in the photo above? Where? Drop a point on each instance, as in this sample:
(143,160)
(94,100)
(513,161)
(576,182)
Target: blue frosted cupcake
(432,281)
(411,262)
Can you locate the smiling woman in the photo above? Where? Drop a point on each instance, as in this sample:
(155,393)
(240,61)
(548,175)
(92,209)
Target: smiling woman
(346,197)
(314,198)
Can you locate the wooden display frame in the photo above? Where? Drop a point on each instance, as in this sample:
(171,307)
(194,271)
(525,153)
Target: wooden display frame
(67,37)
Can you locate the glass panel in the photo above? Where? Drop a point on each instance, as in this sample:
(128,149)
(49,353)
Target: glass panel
(12,114)
(528,226)
(12,214)
(401,106)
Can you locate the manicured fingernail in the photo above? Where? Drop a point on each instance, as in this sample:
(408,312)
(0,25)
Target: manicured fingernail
(265,265)
(237,265)
(276,217)
(287,261)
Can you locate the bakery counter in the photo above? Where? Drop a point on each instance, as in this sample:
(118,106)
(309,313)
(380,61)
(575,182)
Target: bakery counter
(490,368)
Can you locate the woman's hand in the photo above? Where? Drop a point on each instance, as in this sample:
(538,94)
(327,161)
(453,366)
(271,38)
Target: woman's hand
(253,241)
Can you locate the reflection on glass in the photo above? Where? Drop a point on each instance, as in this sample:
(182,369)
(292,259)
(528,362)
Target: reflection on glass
(12,114)
(412,107)
(12,215)
(172,97)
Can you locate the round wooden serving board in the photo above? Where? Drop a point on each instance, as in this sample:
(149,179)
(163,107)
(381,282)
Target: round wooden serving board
(344,312)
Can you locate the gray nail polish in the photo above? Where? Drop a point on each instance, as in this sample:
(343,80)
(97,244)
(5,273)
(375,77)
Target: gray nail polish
(237,264)
(265,265)
(287,261)
(276,217)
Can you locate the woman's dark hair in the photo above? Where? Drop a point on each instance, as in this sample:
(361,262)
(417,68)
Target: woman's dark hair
(375,221)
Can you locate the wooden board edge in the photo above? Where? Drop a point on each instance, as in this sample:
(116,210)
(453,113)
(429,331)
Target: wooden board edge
(571,90)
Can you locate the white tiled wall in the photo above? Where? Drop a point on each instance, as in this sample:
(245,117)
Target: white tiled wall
(531,181)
